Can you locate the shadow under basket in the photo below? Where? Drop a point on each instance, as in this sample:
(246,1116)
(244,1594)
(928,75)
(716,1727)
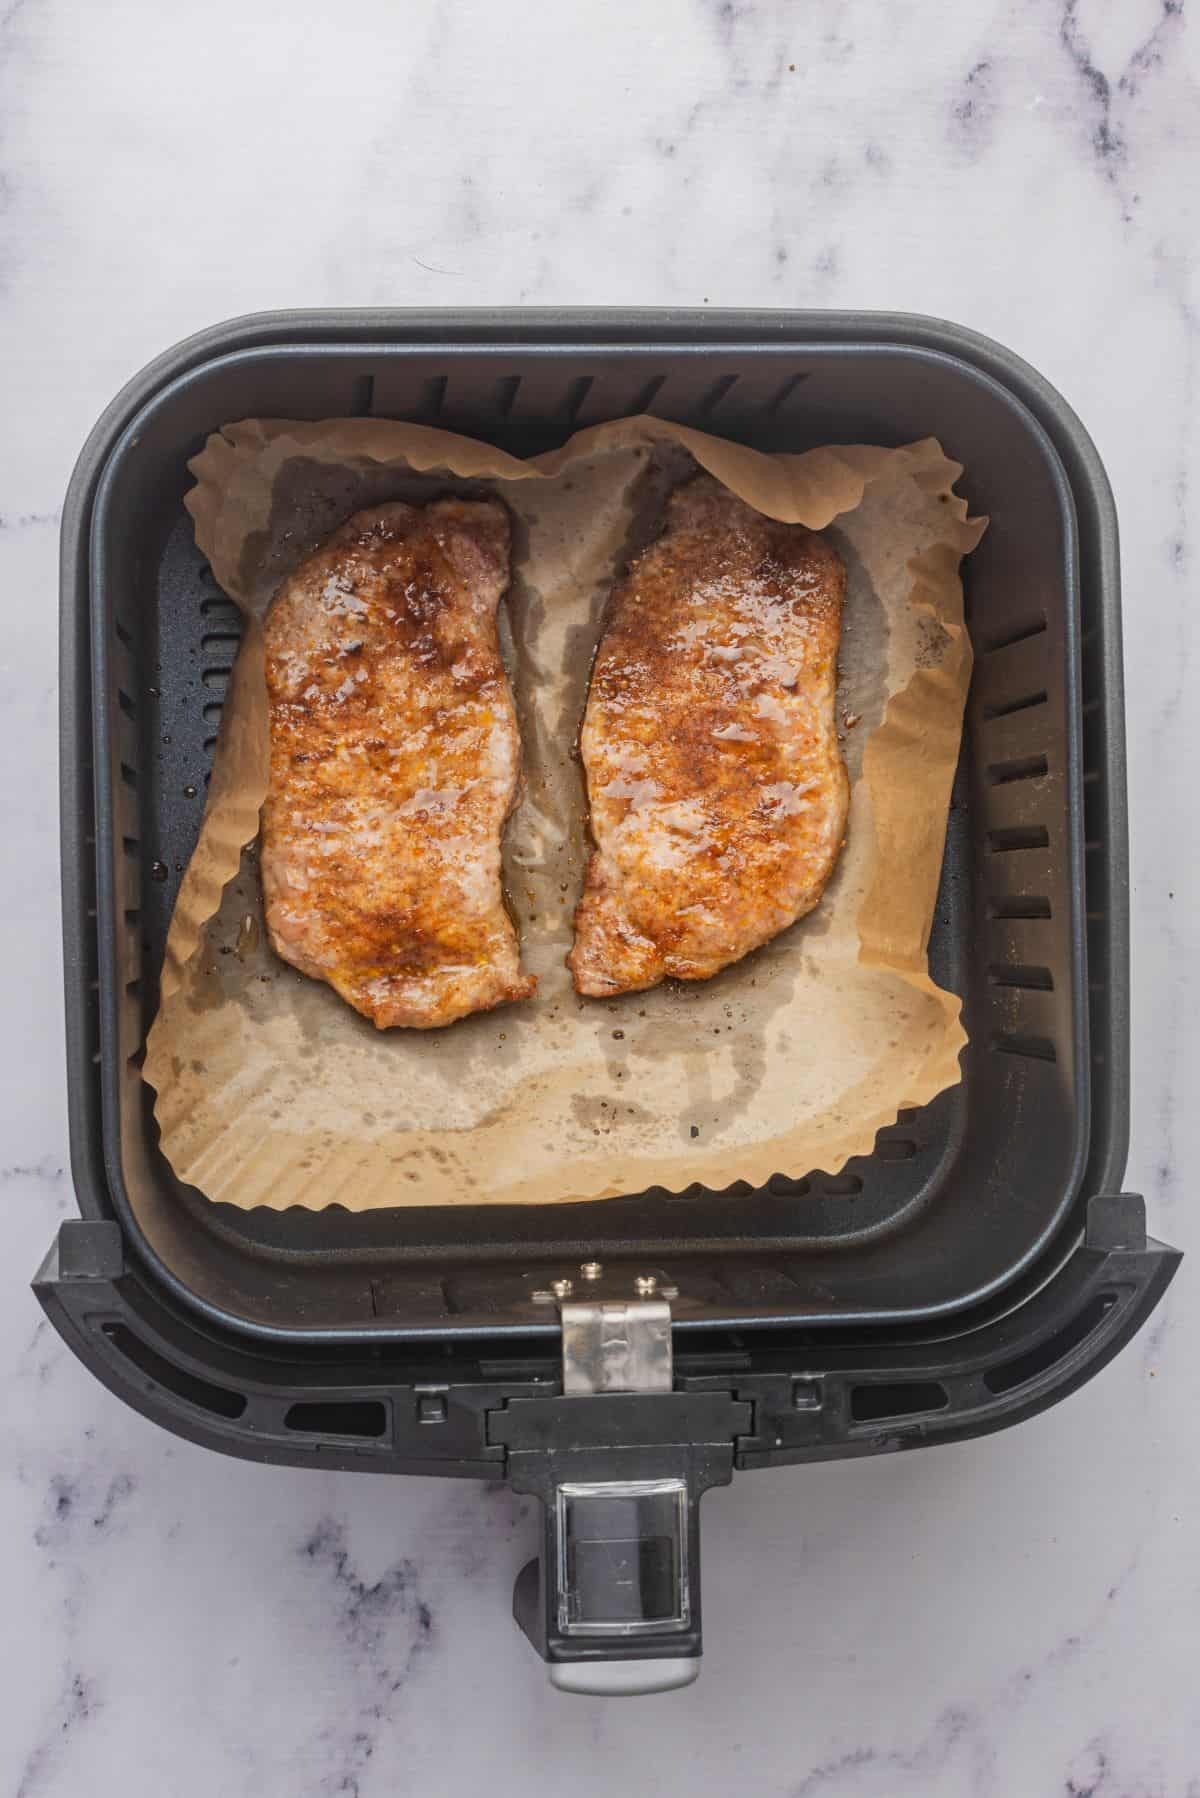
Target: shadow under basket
(977,1265)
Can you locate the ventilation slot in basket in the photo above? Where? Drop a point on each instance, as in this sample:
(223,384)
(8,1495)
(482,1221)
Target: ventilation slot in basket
(778,400)
(1025,767)
(1004,708)
(202,1393)
(220,643)
(895,1148)
(783,1188)
(220,608)
(433,396)
(339,1417)
(649,393)
(576,394)
(840,1186)
(1016,633)
(1034,1048)
(1020,905)
(507,389)
(910,1398)
(1038,980)
(716,393)
(1020,836)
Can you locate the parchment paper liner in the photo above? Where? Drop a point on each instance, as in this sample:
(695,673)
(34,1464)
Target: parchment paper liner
(271,1091)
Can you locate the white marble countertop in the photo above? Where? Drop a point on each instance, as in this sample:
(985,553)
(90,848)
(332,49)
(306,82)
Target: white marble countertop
(1015,1616)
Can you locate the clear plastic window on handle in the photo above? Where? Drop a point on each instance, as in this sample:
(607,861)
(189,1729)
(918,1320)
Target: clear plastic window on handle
(623,1557)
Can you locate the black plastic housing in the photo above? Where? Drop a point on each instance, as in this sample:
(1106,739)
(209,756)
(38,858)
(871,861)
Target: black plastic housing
(971,1271)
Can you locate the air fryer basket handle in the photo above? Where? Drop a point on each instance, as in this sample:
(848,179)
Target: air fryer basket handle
(612,1602)
(609,1601)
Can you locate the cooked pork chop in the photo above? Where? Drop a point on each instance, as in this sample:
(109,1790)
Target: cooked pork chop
(395,760)
(717,791)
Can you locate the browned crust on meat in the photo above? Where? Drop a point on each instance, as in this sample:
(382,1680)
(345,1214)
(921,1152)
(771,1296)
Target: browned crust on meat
(717,790)
(394,762)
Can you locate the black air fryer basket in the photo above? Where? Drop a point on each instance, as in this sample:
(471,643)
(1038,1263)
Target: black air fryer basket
(616,1359)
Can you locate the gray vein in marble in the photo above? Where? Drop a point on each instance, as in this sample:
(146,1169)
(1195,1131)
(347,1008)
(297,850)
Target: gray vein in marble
(961,1736)
(976,109)
(1097,1771)
(744,31)
(41,1355)
(1089,1774)
(1110,133)
(957,1737)
(46,1170)
(78,1508)
(77,1704)
(75,1506)
(1149,55)
(386,1626)
(366,1609)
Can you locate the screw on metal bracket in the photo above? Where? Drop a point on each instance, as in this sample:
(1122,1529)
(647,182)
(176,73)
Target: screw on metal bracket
(646,1286)
(558,1289)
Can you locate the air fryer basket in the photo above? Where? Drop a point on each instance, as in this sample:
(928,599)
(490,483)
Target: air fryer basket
(955,1201)
(968,1271)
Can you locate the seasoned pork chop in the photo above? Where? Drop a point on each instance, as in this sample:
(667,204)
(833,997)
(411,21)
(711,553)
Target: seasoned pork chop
(394,763)
(717,791)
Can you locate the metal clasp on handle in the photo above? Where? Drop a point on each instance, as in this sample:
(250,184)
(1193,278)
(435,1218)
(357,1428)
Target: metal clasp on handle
(616,1346)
